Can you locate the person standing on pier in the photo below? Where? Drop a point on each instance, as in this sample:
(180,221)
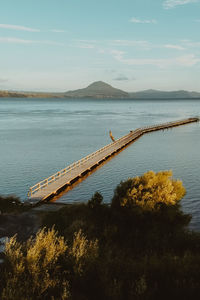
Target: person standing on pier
(111,136)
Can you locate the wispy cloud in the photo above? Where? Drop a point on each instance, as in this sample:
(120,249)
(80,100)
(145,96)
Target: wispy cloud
(185,60)
(104,45)
(107,46)
(86,46)
(176,47)
(191,44)
(101,51)
(13,40)
(139,21)
(58,30)
(118,54)
(2,80)
(18,27)
(29,29)
(131,43)
(86,41)
(167,4)
(121,77)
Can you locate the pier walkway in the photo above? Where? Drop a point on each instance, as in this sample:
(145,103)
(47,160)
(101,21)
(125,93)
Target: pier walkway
(54,184)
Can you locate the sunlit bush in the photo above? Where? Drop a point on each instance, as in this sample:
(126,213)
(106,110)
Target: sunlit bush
(40,267)
(149,191)
(32,268)
(83,251)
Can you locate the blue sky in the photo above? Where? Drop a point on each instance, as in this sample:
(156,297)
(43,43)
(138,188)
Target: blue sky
(59,45)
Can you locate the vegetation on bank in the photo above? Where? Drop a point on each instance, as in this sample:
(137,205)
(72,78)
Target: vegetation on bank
(9,94)
(11,204)
(139,247)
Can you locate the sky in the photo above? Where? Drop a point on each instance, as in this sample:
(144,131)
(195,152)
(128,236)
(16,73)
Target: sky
(61,45)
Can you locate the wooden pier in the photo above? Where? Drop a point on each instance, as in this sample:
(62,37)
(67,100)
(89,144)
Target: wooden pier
(57,182)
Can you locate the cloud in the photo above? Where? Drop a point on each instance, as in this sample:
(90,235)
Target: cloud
(58,30)
(121,78)
(86,41)
(101,51)
(191,44)
(167,4)
(110,71)
(117,54)
(139,21)
(176,47)
(13,40)
(104,45)
(88,46)
(185,60)
(29,29)
(2,80)
(17,27)
(131,43)
(84,44)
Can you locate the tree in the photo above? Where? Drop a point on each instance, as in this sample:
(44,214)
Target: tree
(149,191)
(96,200)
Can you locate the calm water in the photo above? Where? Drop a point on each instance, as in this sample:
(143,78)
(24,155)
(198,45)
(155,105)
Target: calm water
(40,136)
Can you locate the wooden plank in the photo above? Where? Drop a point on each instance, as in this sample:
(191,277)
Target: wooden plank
(53,184)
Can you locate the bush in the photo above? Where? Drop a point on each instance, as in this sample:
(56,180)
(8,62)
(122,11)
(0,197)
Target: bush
(95,201)
(10,204)
(84,252)
(32,269)
(42,267)
(149,191)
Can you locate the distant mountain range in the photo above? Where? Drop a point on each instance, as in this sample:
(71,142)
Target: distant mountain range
(100,89)
(154,94)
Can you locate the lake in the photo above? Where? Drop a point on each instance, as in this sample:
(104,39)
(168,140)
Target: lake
(38,137)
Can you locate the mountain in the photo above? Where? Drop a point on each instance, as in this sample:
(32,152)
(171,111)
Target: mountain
(154,94)
(98,89)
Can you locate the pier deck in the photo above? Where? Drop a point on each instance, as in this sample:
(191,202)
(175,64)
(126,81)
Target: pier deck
(54,184)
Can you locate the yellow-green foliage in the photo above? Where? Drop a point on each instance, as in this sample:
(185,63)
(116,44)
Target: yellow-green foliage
(83,251)
(34,270)
(149,191)
(33,265)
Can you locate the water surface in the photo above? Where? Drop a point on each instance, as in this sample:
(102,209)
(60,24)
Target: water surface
(40,136)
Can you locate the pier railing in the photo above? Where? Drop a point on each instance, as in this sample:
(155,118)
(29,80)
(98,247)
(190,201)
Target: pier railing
(71,167)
